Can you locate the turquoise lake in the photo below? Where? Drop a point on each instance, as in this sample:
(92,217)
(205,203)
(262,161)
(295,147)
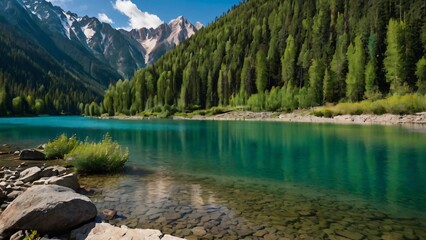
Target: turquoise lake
(254,179)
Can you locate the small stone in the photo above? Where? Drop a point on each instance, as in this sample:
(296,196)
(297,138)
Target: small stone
(170,237)
(53,171)
(392,236)
(410,234)
(19,183)
(260,233)
(199,231)
(109,214)
(14,194)
(307,213)
(69,180)
(350,235)
(172,216)
(18,235)
(30,174)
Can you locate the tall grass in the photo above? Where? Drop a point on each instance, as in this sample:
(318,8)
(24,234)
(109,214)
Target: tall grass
(405,104)
(92,157)
(60,146)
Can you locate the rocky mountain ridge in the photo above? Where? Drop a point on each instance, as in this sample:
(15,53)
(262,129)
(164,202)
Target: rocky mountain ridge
(122,50)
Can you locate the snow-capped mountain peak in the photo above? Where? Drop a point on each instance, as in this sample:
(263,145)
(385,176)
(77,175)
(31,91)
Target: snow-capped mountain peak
(125,51)
(199,25)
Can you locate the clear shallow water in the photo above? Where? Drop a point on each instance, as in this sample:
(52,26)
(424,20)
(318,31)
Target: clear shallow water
(254,175)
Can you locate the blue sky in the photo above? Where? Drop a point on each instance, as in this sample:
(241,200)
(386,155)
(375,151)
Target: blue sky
(138,13)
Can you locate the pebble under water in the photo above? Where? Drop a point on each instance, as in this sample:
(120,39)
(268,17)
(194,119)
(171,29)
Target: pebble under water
(207,208)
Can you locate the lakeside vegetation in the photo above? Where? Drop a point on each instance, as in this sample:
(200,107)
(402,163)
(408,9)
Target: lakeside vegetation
(406,104)
(89,157)
(285,55)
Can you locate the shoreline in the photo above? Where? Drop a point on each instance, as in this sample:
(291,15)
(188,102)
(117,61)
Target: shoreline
(299,116)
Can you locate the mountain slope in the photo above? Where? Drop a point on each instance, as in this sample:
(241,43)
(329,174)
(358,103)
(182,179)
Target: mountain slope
(59,58)
(288,54)
(120,50)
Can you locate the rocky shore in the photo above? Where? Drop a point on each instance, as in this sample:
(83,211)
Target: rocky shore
(48,201)
(300,116)
(303,116)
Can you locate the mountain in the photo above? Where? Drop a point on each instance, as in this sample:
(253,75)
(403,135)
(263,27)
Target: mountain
(32,79)
(283,55)
(158,41)
(46,48)
(124,51)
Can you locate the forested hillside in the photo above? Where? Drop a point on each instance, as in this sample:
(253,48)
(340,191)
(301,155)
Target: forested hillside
(287,54)
(32,82)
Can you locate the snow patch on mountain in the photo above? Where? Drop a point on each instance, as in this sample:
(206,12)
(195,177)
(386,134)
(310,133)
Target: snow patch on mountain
(88,32)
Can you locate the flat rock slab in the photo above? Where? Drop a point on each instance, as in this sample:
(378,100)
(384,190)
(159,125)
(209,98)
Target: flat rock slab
(105,231)
(48,209)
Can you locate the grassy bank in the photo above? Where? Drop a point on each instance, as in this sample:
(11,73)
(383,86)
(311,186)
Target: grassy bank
(400,105)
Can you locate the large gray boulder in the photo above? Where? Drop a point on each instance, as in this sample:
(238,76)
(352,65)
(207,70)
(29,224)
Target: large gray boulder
(31,154)
(48,209)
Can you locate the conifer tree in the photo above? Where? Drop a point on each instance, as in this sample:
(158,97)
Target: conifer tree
(355,83)
(394,60)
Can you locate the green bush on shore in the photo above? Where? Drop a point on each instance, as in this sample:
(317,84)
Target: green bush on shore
(89,157)
(60,146)
(102,157)
(405,104)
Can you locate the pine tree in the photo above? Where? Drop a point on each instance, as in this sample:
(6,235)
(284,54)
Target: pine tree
(316,76)
(288,62)
(421,75)
(394,60)
(355,83)
(371,88)
(261,71)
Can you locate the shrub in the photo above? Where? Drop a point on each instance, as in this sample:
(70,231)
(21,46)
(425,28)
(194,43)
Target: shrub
(406,104)
(60,146)
(102,157)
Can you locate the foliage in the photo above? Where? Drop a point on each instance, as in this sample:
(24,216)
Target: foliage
(270,54)
(60,146)
(102,157)
(405,104)
(33,82)
(34,235)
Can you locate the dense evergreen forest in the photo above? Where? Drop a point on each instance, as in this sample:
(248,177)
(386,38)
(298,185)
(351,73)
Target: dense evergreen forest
(283,55)
(32,82)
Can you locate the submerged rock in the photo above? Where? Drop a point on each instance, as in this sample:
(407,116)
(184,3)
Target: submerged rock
(47,208)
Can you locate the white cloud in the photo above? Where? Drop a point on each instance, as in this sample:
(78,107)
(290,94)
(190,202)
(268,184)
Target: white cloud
(137,18)
(104,18)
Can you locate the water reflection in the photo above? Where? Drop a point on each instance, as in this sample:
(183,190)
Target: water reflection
(385,165)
